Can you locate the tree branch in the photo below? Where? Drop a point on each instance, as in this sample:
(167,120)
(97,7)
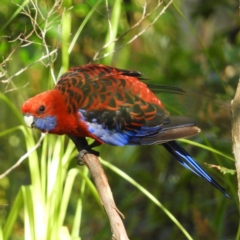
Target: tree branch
(105,193)
(103,188)
(236,133)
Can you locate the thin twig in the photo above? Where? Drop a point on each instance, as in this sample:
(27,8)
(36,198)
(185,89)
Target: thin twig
(16,88)
(25,156)
(41,24)
(144,16)
(28,66)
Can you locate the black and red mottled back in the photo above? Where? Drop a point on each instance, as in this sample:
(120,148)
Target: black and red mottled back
(112,96)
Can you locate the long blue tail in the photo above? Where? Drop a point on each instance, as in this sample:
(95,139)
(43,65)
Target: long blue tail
(188,162)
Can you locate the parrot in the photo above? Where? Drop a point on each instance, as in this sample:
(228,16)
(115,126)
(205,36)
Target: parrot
(115,107)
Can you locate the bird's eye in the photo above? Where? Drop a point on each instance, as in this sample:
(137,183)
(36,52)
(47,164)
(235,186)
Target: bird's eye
(41,109)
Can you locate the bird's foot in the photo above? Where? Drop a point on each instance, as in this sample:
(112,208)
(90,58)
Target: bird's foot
(80,160)
(83,148)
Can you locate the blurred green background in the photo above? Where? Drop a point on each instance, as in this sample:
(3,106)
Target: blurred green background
(193,45)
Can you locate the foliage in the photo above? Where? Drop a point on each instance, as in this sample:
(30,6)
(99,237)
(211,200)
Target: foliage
(193,45)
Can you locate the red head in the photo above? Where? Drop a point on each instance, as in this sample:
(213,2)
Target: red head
(48,112)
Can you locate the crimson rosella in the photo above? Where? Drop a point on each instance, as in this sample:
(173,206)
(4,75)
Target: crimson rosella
(111,106)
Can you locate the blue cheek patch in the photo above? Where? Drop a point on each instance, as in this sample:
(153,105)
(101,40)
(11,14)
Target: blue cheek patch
(46,124)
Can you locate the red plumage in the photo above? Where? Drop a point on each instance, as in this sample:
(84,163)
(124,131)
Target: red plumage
(111,106)
(96,88)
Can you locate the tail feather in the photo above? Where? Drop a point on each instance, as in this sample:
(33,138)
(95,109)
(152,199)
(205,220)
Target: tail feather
(188,162)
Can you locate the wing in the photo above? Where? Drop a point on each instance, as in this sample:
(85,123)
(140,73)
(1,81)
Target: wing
(111,95)
(117,108)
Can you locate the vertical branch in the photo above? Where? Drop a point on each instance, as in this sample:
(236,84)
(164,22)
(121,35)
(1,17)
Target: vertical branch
(236,133)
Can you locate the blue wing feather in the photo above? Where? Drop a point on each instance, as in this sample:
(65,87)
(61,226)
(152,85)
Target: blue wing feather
(149,135)
(115,136)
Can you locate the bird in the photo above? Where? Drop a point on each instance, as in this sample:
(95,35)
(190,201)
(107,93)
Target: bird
(112,106)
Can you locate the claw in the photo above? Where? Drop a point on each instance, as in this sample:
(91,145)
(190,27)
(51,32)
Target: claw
(83,148)
(80,160)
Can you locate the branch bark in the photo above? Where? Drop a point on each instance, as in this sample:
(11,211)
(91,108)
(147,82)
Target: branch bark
(236,133)
(106,196)
(104,190)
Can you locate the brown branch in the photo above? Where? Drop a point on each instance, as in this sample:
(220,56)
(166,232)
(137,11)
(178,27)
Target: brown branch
(105,193)
(236,133)
(103,188)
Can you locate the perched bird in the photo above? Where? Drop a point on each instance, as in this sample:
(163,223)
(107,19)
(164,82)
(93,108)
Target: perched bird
(111,106)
